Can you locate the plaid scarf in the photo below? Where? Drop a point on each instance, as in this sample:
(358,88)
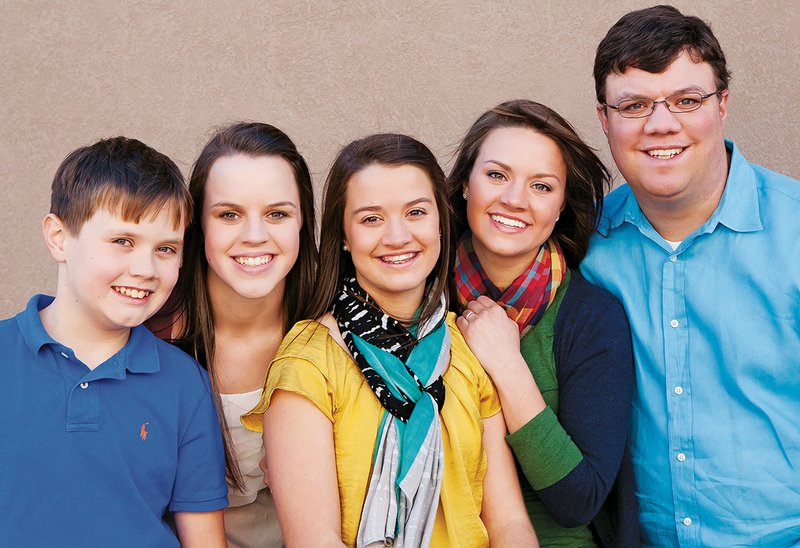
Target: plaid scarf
(527,298)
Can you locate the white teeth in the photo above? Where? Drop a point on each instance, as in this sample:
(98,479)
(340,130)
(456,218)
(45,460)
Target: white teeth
(398,258)
(133,293)
(665,153)
(253,261)
(508,222)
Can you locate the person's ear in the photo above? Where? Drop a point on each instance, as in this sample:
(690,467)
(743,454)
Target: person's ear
(602,114)
(723,104)
(55,235)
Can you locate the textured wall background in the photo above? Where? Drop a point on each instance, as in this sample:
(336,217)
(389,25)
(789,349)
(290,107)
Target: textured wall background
(326,72)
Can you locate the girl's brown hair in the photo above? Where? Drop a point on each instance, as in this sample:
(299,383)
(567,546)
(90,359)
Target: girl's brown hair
(386,149)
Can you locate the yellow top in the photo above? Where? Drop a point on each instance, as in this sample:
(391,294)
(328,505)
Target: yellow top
(310,363)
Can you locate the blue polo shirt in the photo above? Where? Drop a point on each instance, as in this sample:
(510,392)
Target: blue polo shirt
(715,439)
(96,457)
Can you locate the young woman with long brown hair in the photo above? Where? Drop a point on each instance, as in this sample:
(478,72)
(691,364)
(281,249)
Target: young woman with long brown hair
(248,272)
(527,194)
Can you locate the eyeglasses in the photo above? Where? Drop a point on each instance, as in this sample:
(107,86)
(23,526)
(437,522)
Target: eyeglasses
(679,103)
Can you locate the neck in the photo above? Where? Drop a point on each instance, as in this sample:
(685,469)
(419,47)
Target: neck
(91,344)
(502,271)
(675,220)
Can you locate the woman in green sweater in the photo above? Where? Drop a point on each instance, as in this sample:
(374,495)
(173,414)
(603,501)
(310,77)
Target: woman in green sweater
(527,193)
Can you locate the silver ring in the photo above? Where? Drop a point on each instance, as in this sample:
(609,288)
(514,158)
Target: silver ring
(466,316)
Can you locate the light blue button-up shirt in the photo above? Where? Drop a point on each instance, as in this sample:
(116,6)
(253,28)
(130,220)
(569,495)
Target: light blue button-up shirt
(715,434)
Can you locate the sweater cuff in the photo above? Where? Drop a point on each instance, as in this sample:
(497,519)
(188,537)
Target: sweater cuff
(544,450)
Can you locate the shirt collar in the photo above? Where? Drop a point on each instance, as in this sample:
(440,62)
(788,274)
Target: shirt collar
(139,355)
(30,324)
(738,208)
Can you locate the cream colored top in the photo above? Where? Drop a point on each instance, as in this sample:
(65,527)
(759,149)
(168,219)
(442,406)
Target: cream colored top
(248,446)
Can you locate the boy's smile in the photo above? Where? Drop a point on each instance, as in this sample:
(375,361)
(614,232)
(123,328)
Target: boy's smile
(115,274)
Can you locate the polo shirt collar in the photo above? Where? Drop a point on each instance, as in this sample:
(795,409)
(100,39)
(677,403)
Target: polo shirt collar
(30,324)
(139,355)
(738,208)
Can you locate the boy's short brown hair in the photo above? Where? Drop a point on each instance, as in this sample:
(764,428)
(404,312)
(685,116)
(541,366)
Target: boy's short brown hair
(122,175)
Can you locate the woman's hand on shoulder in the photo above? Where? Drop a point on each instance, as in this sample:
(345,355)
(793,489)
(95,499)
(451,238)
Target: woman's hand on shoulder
(492,336)
(494,339)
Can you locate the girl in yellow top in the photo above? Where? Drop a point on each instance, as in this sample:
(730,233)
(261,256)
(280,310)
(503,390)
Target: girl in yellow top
(380,427)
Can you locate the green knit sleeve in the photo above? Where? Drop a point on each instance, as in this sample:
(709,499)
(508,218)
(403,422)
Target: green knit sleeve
(534,446)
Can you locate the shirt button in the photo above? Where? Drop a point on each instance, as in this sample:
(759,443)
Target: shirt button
(681,457)
(673,258)
(678,390)
(674,323)
(687,521)
(84,385)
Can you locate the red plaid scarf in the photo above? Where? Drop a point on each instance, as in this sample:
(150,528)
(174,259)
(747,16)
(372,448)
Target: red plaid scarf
(527,298)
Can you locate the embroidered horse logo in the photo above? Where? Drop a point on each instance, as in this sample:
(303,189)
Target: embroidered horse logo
(143,432)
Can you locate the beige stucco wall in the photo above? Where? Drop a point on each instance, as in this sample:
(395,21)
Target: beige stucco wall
(326,72)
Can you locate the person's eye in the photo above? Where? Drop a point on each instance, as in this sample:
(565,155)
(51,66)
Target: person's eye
(277,215)
(541,187)
(229,215)
(496,175)
(417,212)
(633,107)
(371,219)
(125,242)
(686,102)
(167,249)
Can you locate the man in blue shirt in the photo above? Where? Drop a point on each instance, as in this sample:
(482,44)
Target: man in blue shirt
(703,249)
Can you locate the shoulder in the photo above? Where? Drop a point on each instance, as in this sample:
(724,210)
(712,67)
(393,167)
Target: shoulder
(461,357)
(309,340)
(589,315)
(176,367)
(311,348)
(774,186)
(8,328)
(585,300)
(781,186)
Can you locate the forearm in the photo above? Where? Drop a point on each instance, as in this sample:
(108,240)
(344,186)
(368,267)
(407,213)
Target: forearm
(519,394)
(503,511)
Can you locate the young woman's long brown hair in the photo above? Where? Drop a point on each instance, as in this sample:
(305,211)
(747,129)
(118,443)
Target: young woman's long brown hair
(192,306)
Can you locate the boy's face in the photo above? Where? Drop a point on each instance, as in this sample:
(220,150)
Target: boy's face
(116,273)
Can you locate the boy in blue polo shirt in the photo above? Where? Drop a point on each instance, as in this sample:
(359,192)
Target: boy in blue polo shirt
(106,428)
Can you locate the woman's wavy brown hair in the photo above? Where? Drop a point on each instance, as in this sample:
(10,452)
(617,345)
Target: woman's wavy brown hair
(587,177)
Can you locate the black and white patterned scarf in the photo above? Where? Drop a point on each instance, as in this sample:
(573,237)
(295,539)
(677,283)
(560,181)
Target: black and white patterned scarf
(400,506)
